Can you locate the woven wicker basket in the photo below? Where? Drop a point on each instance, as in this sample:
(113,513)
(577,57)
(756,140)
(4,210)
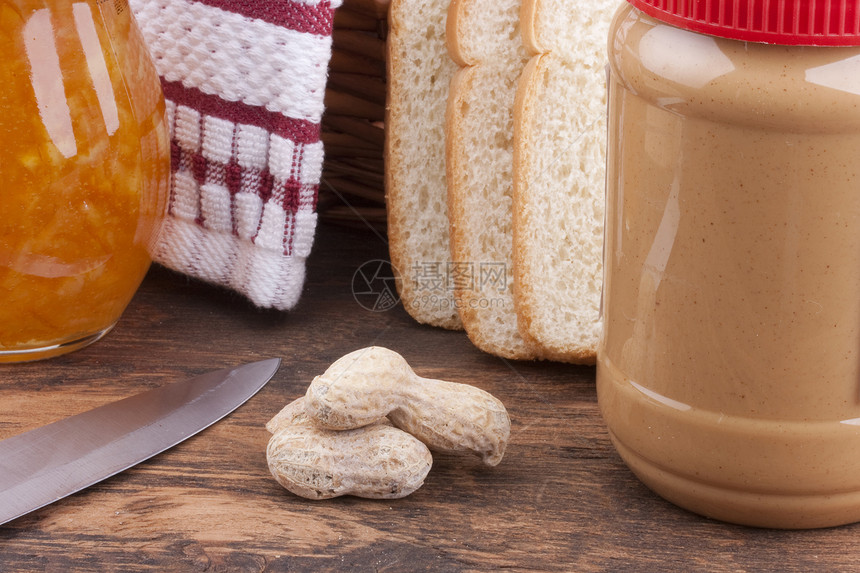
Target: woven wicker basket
(352,191)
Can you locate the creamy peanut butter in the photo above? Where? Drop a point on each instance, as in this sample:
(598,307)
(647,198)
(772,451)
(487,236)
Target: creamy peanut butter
(729,371)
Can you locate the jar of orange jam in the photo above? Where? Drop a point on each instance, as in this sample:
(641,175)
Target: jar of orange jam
(84,166)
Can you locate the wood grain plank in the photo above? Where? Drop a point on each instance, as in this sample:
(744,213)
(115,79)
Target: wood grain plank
(561,500)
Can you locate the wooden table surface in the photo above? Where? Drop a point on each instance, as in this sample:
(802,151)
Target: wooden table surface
(561,500)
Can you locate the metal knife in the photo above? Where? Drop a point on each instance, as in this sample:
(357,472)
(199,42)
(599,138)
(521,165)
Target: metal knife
(48,463)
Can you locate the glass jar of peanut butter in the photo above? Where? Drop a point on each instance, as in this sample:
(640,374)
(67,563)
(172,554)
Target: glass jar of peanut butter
(84,165)
(729,370)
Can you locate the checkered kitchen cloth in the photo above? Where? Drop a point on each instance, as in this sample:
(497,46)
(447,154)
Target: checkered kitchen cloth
(244,82)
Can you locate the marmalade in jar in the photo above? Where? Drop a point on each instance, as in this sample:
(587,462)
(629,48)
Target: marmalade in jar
(84,166)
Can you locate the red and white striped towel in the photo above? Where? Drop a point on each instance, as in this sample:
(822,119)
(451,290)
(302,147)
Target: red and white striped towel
(244,82)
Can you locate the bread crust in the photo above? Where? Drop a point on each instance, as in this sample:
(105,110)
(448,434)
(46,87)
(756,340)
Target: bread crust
(528,28)
(402,217)
(524,280)
(530,200)
(479,325)
(523,290)
(458,233)
(456,48)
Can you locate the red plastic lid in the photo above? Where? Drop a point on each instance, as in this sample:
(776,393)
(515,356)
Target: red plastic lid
(787,22)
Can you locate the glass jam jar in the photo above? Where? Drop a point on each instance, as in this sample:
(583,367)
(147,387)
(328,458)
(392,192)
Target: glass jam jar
(84,166)
(729,370)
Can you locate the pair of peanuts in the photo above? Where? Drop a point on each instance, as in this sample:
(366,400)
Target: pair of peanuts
(366,426)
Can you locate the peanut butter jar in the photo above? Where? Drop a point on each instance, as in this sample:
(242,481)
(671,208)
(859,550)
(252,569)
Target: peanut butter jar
(729,370)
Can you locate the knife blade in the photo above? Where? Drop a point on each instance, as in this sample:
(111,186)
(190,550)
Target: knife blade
(48,463)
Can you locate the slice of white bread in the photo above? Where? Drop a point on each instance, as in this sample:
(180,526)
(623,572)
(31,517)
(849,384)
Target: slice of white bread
(419,74)
(484,39)
(559,176)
